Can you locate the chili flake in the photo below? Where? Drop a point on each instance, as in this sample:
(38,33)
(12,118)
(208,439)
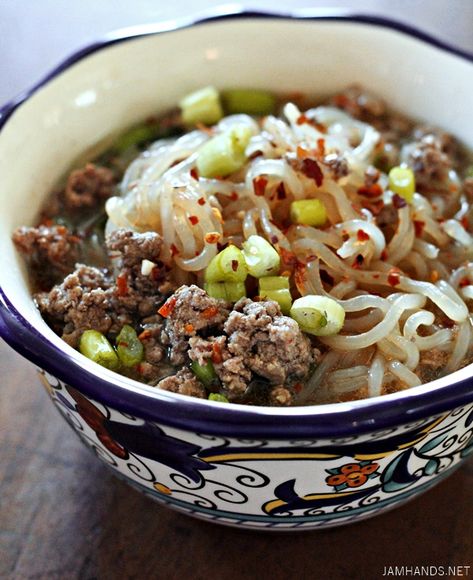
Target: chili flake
(194,220)
(393,277)
(145,334)
(362,236)
(216,354)
(311,169)
(167,308)
(259,185)
(210,312)
(212,237)
(122,285)
(194,173)
(189,328)
(174,250)
(201,201)
(370,191)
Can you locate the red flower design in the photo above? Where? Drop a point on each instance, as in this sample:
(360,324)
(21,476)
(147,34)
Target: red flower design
(352,474)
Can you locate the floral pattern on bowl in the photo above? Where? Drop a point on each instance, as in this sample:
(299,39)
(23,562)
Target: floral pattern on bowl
(241,482)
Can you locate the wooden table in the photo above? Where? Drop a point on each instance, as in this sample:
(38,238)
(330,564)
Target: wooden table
(63,515)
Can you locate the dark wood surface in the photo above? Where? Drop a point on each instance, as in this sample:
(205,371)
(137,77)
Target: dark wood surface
(63,515)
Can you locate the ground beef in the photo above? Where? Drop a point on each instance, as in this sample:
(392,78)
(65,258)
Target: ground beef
(81,302)
(150,338)
(137,292)
(359,103)
(183,382)
(431,364)
(337,164)
(429,163)
(51,251)
(258,342)
(191,311)
(446,142)
(88,187)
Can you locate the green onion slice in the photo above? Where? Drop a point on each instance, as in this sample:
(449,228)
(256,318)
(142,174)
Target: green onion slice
(202,106)
(310,212)
(129,347)
(402,181)
(261,257)
(319,315)
(95,346)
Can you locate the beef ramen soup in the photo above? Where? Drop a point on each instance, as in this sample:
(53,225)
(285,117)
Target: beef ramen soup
(262,249)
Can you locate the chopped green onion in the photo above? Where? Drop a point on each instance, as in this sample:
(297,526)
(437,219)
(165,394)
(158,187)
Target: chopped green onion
(229,265)
(273,283)
(205,373)
(202,106)
(95,346)
(251,102)
(318,315)
(129,347)
(310,212)
(276,288)
(134,136)
(229,291)
(261,257)
(225,153)
(282,297)
(402,182)
(218,397)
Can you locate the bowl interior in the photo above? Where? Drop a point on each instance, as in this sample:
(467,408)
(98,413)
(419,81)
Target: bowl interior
(124,82)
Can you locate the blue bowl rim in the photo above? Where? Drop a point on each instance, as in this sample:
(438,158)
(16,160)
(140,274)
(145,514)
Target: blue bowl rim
(322,421)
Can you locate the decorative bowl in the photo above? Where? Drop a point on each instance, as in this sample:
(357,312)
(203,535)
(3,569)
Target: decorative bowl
(255,467)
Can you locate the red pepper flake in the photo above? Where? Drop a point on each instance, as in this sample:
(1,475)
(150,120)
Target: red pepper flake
(374,207)
(311,169)
(434,276)
(174,250)
(189,328)
(194,173)
(234,196)
(212,237)
(297,388)
(398,201)
(393,277)
(419,227)
(464,222)
(288,257)
(201,201)
(302,153)
(145,334)
(216,354)
(303,119)
(362,236)
(321,147)
(376,276)
(384,255)
(210,312)
(358,262)
(167,308)
(193,219)
(370,191)
(259,185)
(464,282)
(281,191)
(342,101)
(122,285)
(47,222)
(274,239)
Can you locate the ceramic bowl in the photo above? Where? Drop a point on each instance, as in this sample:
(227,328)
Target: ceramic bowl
(264,468)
